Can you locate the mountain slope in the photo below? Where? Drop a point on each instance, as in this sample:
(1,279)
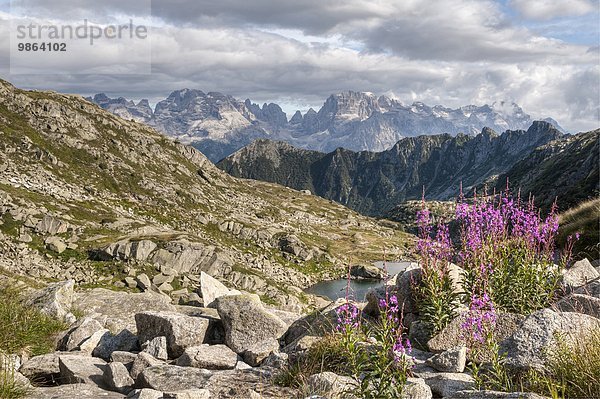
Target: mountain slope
(218,124)
(567,170)
(87,195)
(373,183)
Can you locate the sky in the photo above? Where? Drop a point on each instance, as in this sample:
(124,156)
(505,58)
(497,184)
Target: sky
(542,54)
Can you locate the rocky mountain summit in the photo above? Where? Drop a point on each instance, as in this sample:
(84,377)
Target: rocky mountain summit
(374,183)
(88,196)
(218,124)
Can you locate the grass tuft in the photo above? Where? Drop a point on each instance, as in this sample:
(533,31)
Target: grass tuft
(24,329)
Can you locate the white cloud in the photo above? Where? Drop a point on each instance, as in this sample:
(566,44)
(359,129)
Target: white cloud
(450,52)
(548,9)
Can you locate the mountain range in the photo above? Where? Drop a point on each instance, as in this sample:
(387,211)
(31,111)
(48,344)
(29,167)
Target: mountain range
(219,124)
(541,160)
(89,196)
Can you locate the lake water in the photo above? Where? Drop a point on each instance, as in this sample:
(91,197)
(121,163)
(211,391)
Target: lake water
(335,289)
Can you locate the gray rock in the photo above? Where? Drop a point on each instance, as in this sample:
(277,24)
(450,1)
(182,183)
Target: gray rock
(161,278)
(526,347)
(366,272)
(419,335)
(211,289)
(331,385)
(169,378)
(258,352)
(495,395)
(579,274)
(73,391)
(51,225)
(189,394)
(90,344)
(315,324)
(246,322)
(145,393)
(447,384)
(127,358)
(109,343)
(117,378)
(141,363)
(117,308)
(143,282)
(43,368)
(452,335)
(590,289)
(156,347)
(451,361)
(181,331)
(241,383)
(131,282)
(212,357)
(55,244)
(56,300)
(416,388)
(82,369)
(580,304)
(79,332)
(276,360)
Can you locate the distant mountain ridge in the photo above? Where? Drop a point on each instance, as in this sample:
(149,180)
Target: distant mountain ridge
(374,183)
(219,124)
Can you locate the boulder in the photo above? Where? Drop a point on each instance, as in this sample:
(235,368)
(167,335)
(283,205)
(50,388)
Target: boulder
(51,225)
(525,348)
(117,309)
(453,360)
(145,393)
(447,384)
(181,331)
(55,244)
(123,341)
(156,347)
(211,289)
(590,289)
(212,357)
(117,378)
(246,322)
(416,388)
(83,329)
(188,394)
(73,391)
(315,324)
(258,352)
(495,395)
(452,335)
(141,363)
(56,300)
(143,282)
(169,378)
(242,384)
(127,358)
(331,385)
(42,369)
(580,304)
(366,272)
(82,369)
(579,274)
(90,344)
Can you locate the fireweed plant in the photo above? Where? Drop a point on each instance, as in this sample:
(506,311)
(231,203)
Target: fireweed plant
(378,351)
(436,297)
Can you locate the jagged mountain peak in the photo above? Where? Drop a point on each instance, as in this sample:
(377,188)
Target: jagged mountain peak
(218,124)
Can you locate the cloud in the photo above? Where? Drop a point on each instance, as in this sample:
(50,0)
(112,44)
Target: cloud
(548,9)
(450,52)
